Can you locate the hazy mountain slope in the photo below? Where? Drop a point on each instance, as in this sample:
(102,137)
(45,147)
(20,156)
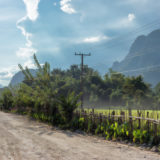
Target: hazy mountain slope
(19,77)
(143,58)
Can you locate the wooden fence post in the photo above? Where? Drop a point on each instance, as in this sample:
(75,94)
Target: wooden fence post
(100,118)
(139,120)
(93,110)
(155,129)
(85,119)
(130,123)
(112,118)
(148,124)
(155,133)
(122,118)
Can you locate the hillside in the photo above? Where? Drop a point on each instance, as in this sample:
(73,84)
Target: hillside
(19,77)
(143,58)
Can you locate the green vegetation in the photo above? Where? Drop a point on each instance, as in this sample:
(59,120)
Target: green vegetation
(118,128)
(114,89)
(154,114)
(40,98)
(53,97)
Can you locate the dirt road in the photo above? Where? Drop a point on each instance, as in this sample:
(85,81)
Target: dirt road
(22,139)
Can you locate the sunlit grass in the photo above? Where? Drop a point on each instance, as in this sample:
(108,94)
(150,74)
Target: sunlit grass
(153,114)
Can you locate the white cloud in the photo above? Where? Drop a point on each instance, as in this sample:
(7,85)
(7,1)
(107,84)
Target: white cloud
(95,39)
(125,22)
(131,17)
(32,14)
(7,73)
(67,7)
(25,52)
(32,9)
(29,64)
(54,3)
(24,32)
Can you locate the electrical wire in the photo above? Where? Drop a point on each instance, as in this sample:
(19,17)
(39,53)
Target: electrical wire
(143,70)
(122,37)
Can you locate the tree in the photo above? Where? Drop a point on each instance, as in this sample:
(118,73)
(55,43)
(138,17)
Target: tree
(135,90)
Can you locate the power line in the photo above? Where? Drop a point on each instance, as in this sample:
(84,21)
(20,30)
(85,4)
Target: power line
(147,26)
(137,30)
(119,43)
(142,70)
(131,57)
(122,39)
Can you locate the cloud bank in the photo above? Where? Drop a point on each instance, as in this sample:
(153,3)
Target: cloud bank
(68,26)
(24,53)
(32,14)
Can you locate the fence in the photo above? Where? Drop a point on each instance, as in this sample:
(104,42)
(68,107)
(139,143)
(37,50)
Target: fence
(138,122)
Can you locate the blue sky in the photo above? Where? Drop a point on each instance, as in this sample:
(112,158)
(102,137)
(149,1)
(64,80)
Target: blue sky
(55,29)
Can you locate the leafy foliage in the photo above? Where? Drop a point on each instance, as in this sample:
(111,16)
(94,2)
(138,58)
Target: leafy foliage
(6,99)
(67,105)
(53,96)
(39,97)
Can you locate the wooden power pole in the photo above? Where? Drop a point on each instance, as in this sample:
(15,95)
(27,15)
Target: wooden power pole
(82,68)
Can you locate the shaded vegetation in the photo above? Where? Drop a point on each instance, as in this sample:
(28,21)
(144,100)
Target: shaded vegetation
(53,97)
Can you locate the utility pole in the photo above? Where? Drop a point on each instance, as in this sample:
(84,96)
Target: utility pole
(82,68)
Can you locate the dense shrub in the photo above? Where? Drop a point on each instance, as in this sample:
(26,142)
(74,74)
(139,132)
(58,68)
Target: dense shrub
(6,99)
(53,97)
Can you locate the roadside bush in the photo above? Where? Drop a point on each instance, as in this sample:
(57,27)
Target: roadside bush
(140,136)
(7,99)
(67,106)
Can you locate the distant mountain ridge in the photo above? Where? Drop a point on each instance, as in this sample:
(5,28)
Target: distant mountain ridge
(143,58)
(19,77)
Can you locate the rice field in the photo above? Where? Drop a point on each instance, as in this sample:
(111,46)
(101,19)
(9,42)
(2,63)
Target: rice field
(153,114)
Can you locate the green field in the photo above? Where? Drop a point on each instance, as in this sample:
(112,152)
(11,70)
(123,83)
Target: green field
(153,114)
